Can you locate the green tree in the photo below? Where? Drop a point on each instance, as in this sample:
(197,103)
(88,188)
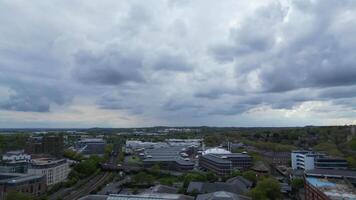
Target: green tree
(296,185)
(14,195)
(266,189)
(351,160)
(155,169)
(211,177)
(250,175)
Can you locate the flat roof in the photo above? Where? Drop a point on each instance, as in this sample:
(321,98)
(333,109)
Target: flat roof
(224,158)
(331,173)
(13,178)
(334,189)
(156,196)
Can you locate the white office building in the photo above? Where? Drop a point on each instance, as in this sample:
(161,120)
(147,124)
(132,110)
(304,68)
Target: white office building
(55,170)
(308,160)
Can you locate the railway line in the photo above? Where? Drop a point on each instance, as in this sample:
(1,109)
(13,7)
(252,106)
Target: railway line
(89,187)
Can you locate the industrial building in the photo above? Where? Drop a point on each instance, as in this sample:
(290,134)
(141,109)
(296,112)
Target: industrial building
(223,162)
(307,160)
(31,184)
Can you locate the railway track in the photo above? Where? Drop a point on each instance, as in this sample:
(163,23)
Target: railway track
(89,187)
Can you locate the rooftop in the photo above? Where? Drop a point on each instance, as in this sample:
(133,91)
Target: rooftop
(216,150)
(204,187)
(17,152)
(221,195)
(47,161)
(331,173)
(334,189)
(161,196)
(14,178)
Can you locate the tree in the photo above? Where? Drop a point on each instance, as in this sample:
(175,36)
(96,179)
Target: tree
(250,175)
(143,178)
(14,195)
(211,177)
(266,189)
(296,185)
(155,169)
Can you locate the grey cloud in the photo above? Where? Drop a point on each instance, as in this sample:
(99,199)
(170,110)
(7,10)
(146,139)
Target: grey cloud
(170,62)
(108,68)
(30,97)
(255,35)
(291,49)
(175,105)
(117,103)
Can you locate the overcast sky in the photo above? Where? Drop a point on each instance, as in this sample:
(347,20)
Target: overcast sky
(71,63)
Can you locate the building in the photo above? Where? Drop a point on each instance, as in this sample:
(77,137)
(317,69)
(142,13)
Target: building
(307,160)
(222,195)
(157,196)
(48,144)
(277,158)
(185,142)
(16,156)
(14,162)
(348,175)
(91,146)
(133,146)
(55,170)
(168,159)
(328,189)
(235,186)
(222,162)
(13,166)
(32,184)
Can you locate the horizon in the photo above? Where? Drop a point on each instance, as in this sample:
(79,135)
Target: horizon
(273,63)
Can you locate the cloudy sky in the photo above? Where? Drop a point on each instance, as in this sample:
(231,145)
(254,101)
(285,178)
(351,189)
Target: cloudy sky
(71,63)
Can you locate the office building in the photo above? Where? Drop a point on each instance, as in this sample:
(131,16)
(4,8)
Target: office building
(55,170)
(89,146)
(307,160)
(168,159)
(328,189)
(48,144)
(16,156)
(222,162)
(13,166)
(34,185)
(14,162)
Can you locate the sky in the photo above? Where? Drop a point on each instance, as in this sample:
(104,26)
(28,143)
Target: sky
(135,63)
